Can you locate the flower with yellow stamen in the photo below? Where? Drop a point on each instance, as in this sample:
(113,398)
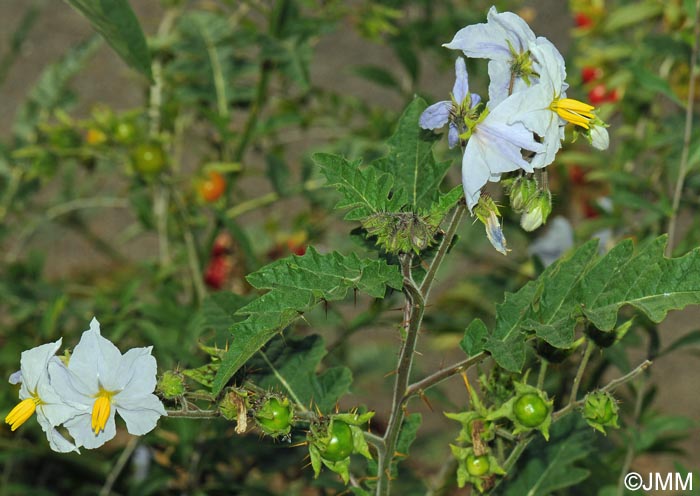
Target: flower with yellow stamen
(105,382)
(573,111)
(38,396)
(544,108)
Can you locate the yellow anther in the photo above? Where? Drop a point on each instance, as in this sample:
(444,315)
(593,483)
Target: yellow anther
(21,413)
(100,411)
(573,111)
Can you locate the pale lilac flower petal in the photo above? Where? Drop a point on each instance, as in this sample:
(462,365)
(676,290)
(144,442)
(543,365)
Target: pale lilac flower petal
(435,116)
(461,86)
(15,377)
(556,240)
(453,135)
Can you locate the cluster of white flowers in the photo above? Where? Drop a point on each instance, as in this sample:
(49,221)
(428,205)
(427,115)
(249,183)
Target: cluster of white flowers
(84,394)
(522,125)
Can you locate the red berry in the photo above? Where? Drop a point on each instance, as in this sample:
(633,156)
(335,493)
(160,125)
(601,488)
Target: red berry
(577,174)
(589,211)
(598,94)
(583,21)
(222,245)
(613,96)
(217,272)
(212,187)
(590,73)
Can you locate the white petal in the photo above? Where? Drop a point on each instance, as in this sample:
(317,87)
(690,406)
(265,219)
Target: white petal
(56,440)
(80,427)
(70,387)
(95,359)
(599,137)
(558,238)
(485,40)
(516,29)
(136,373)
(142,418)
(475,171)
(33,363)
(499,85)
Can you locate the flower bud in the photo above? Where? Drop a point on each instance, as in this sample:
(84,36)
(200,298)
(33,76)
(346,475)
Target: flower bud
(521,192)
(599,137)
(538,209)
(487,212)
(601,410)
(171,385)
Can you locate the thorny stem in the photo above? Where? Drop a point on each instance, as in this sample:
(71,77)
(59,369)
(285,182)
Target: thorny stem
(683,168)
(194,414)
(414,309)
(433,379)
(579,373)
(542,374)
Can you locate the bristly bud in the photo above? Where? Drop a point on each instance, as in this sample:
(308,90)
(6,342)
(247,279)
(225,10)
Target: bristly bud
(171,385)
(601,411)
(521,192)
(537,211)
(487,212)
(403,232)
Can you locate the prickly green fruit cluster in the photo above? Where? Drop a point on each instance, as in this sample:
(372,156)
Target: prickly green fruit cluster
(601,410)
(332,441)
(400,232)
(171,385)
(529,409)
(477,469)
(275,416)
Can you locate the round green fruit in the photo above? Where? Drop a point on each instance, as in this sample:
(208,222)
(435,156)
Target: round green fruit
(478,465)
(340,445)
(530,410)
(148,159)
(274,416)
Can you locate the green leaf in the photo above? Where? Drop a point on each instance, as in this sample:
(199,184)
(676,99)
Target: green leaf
(474,337)
(118,25)
(410,160)
(295,362)
(631,15)
(50,92)
(546,467)
(297,284)
(507,343)
(585,285)
(365,191)
(648,281)
(553,312)
(219,309)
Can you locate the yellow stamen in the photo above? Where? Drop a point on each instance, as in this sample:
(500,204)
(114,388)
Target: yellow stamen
(21,413)
(573,111)
(100,410)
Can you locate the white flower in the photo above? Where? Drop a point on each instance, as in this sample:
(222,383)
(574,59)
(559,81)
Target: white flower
(38,395)
(104,381)
(505,40)
(495,147)
(544,108)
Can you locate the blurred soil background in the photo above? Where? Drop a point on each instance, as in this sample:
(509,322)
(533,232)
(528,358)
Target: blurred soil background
(108,80)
